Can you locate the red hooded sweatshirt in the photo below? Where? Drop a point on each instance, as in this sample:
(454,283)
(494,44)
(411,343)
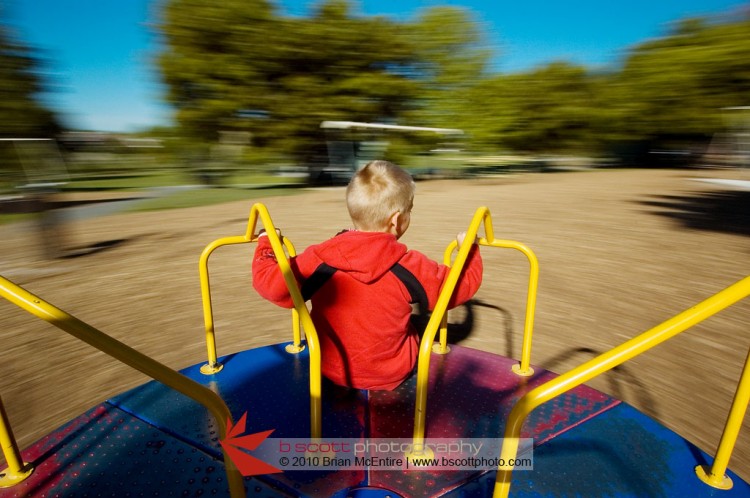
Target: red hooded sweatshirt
(362,313)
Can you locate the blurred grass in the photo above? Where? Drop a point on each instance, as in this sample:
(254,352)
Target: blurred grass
(208,196)
(128,182)
(230,188)
(167,179)
(226,185)
(12,218)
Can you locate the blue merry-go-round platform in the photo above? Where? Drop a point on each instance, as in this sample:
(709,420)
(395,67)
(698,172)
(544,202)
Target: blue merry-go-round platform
(152,441)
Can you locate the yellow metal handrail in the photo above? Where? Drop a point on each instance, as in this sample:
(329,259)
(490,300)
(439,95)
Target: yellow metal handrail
(85,332)
(17,470)
(213,364)
(438,318)
(714,476)
(619,355)
(428,338)
(524,367)
(300,314)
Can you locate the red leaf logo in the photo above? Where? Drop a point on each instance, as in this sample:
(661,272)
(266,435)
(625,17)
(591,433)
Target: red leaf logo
(233,445)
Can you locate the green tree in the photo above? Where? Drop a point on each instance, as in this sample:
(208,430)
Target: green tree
(669,93)
(21,114)
(547,110)
(237,66)
(207,61)
(677,85)
(451,57)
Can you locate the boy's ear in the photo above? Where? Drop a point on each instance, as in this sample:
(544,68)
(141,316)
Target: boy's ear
(393,222)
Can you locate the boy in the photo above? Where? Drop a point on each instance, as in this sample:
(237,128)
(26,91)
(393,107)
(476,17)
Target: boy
(362,282)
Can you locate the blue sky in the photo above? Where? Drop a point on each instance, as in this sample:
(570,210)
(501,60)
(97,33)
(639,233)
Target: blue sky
(99,52)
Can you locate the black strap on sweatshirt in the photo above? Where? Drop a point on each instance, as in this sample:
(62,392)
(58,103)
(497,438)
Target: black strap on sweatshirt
(316,280)
(324,272)
(414,286)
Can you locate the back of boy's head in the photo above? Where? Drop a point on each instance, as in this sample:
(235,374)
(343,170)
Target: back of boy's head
(376,192)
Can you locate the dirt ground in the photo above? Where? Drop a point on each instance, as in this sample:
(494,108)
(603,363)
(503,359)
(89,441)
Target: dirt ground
(619,252)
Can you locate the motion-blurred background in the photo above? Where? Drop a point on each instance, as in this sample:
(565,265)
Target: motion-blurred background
(141,106)
(170,92)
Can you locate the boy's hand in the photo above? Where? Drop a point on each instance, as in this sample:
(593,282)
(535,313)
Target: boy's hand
(262,233)
(460,238)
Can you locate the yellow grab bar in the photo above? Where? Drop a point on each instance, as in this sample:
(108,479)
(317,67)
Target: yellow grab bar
(438,320)
(714,476)
(85,332)
(482,214)
(524,368)
(259,211)
(17,470)
(213,364)
(605,362)
(300,314)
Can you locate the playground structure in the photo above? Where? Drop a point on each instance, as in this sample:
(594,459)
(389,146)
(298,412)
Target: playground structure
(353,144)
(731,148)
(41,174)
(520,386)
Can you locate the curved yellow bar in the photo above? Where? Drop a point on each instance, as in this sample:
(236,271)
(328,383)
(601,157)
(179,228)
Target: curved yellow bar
(438,320)
(259,211)
(17,470)
(609,360)
(85,332)
(442,347)
(213,365)
(296,346)
(425,347)
(300,314)
(714,476)
(524,368)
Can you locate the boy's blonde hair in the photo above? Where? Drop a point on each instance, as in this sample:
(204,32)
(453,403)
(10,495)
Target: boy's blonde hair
(376,192)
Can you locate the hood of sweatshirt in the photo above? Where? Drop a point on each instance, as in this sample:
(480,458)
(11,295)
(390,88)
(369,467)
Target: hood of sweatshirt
(365,256)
